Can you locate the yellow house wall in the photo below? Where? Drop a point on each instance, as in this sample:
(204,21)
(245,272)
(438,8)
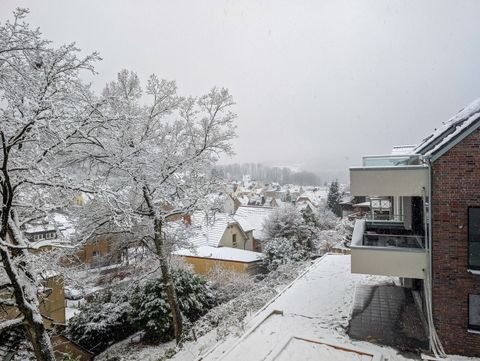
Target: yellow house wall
(203,266)
(107,249)
(52,306)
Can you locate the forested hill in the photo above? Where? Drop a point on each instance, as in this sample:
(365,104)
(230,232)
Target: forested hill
(263,173)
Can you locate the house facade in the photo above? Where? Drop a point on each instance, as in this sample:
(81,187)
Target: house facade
(219,241)
(101,250)
(206,259)
(429,235)
(51,302)
(251,219)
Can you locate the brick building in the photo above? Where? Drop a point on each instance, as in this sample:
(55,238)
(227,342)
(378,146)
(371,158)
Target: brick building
(431,240)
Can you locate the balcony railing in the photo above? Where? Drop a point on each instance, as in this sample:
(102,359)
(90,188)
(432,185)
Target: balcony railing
(371,239)
(390,180)
(387,219)
(390,160)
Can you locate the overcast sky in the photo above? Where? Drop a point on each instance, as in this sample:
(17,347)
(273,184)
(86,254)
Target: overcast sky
(317,83)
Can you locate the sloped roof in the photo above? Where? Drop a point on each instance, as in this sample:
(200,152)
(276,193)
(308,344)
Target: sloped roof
(37,228)
(251,218)
(208,229)
(303,204)
(222,253)
(450,130)
(315,197)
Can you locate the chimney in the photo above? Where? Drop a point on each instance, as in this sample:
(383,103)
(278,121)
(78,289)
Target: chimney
(187,219)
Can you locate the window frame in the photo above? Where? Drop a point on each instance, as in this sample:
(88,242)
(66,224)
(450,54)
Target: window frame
(470,266)
(475,328)
(234,240)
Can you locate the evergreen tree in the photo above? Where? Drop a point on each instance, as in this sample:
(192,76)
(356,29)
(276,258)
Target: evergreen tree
(334,198)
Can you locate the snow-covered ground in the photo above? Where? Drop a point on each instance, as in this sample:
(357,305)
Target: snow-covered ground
(315,307)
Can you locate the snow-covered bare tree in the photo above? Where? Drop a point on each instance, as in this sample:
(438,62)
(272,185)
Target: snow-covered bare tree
(44,110)
(156,158)
(287,222)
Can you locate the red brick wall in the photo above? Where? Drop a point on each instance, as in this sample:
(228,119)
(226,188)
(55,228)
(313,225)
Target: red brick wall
(455,187)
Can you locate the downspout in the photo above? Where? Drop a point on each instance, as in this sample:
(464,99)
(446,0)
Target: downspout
(434,341)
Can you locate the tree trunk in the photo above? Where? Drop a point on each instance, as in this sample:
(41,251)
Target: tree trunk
(167,280)
(33,322)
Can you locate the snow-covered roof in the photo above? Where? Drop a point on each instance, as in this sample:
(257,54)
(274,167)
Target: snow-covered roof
(402,149)
(316,197)
(63,224)
(303,204)
(279,202)
(243,200)
(208,229)
(251,218)
(38,228)
(450,129)
(56,222)
(54,243)
(222,253)
(363,204)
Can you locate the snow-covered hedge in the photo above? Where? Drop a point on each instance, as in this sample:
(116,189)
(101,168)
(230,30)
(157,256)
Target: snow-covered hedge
(151,311)
(102,321)
(113,316)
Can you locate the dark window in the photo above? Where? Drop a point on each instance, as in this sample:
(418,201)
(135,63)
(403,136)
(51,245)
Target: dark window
(474,238)
(234,240)
(474,312)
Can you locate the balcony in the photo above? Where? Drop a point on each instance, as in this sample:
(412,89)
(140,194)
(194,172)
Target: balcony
(386,248)
(392,175)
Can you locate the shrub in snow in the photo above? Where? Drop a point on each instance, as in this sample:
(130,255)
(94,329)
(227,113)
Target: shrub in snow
(279,251)
(325,241)
(229,284)
(151,310)
(326,219)
(101,322)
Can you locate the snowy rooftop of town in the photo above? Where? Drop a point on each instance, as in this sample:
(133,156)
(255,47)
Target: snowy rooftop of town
(55,222)
(222,253)
(252,218)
